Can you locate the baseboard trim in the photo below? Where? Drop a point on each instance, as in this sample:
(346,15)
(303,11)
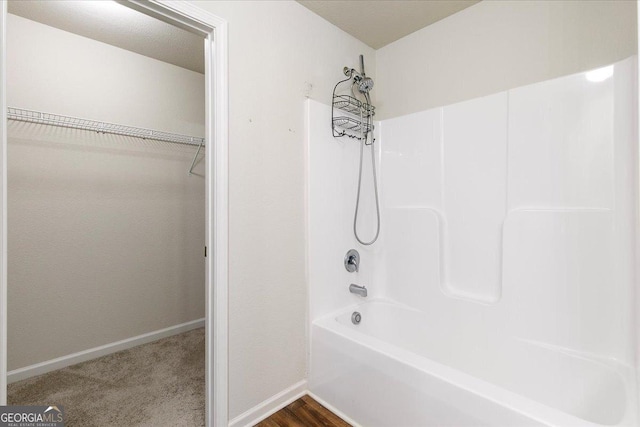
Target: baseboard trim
(270,406)
(333,409)
(103,350)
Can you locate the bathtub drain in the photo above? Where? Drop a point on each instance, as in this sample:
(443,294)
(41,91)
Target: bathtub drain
(356,318)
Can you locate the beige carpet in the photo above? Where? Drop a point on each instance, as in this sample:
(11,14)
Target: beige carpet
(156,384)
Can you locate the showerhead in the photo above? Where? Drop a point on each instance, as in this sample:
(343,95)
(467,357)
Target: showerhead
(365,84)
(360,79)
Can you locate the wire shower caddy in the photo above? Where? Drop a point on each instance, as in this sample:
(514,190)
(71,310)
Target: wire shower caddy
(31,116)
(351,117)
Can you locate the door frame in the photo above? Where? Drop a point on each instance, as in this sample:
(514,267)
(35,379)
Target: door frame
(215,32)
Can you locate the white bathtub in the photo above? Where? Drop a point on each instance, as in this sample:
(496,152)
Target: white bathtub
(378,374)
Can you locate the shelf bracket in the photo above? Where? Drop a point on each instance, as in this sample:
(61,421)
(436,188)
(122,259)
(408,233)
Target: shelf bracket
(193,163)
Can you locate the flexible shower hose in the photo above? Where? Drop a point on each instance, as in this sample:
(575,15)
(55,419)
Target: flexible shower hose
(375,186)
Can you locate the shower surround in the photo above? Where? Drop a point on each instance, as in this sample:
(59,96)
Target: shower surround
(501,291)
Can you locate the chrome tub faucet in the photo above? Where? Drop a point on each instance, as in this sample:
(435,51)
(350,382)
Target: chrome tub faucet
(358,290)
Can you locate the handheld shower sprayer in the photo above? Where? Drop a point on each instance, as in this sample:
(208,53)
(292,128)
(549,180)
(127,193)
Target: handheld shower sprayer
(364,85)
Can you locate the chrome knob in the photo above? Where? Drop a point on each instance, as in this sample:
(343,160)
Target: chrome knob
(352,261)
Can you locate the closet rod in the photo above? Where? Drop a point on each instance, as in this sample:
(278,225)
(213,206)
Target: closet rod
(31,116)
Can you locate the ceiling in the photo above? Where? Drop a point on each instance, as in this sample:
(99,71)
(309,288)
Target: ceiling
(375,22)
(112,23)
(379,22)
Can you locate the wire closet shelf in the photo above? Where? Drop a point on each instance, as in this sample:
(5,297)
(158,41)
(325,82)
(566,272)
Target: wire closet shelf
(31,116)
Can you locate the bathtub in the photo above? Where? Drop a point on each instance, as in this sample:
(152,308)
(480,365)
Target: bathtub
(377,373)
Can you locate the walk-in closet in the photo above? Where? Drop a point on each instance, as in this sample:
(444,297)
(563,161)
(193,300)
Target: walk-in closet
(106,214)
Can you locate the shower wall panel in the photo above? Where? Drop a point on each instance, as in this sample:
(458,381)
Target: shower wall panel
(561,140)
(412,153)
(515,212)
(474,191)
(411,182)
(451,161)
(332,175)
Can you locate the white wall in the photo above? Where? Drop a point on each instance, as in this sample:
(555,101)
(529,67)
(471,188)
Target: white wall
(106,233)
(277,49)
(497,45)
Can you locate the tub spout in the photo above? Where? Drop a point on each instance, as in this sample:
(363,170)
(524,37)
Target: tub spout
(358,290)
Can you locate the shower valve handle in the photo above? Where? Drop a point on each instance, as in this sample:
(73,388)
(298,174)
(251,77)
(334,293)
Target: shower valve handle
(352,261)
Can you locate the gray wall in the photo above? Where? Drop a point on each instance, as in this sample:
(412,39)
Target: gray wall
(279,52)
(106,233)
(497,45)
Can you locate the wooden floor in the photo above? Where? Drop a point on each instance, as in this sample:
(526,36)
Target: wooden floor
(304,412)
